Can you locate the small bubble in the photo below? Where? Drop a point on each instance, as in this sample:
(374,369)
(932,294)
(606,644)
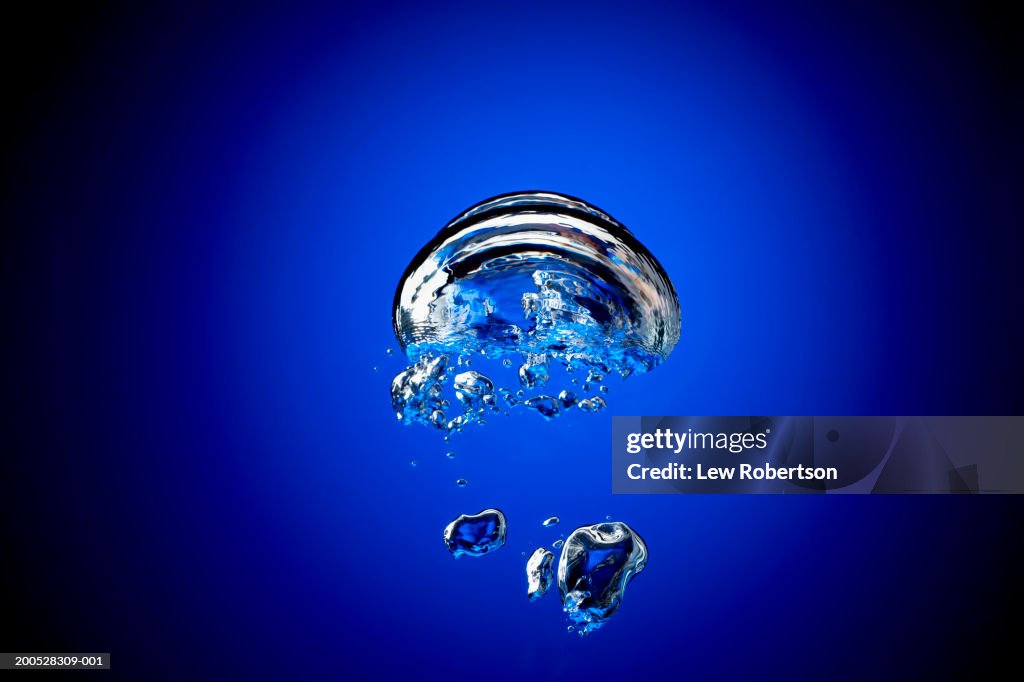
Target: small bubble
(603,389)
(476,534)
(389,351)
(450,455)
(507,363)
(462,483)
(608,518)
(557,544)
(586,388)
(412,463)
(376,368)
(570,629)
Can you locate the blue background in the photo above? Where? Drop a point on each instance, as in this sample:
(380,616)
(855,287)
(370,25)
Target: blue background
(206,213)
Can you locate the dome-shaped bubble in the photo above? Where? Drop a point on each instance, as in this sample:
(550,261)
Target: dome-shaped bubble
(540,275)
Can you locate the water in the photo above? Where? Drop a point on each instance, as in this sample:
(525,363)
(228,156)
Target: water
(548,290)
(476,534)
(528,279)
(596,565)
(539,575)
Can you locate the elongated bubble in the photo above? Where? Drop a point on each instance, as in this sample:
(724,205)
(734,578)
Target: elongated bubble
(539,575)
(528,278)
(475,534)
(597,563)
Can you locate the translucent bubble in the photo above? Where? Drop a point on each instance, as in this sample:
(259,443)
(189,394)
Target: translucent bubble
(538,273)
(595,404)
(461,482)
(596,565)
(472,389)
(537,276)
(412,463)
(376,369)
(534,372)
(450,455)
(476,534)
(389,351)
(567,399)
(550,521)
(544,405)
(539,575)
(412,394)
(557,544)
(603,389)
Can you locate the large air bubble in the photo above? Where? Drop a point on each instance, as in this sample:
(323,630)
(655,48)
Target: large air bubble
(529,278)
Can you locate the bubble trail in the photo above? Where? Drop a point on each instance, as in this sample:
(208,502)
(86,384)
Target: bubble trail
(539,575)
(476,534)
(596,565)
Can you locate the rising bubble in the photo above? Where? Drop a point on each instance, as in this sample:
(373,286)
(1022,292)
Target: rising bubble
(475,534)
(596,565)
(537,276)
(539,575)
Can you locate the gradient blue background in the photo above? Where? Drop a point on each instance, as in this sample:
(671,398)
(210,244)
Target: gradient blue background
(206,213)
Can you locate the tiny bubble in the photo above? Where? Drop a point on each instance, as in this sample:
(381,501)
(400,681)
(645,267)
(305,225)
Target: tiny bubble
(461,483)
(450,455)
(603,389)
(376,369)
(412,463)
(389,351)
